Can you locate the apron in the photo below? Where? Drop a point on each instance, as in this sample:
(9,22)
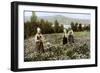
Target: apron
(39,44)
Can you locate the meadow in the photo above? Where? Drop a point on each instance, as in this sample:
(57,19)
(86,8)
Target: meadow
(80,49)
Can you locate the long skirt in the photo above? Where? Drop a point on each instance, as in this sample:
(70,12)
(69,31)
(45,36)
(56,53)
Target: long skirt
(71,39)
(64,40)
(39,46)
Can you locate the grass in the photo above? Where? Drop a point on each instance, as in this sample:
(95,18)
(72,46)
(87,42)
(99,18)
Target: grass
(57,51)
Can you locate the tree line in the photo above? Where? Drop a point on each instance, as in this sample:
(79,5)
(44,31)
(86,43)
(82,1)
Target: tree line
(47,27)
(30,27)
(79,27)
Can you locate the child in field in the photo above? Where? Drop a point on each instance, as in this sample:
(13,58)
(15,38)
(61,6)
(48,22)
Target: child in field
(39,40)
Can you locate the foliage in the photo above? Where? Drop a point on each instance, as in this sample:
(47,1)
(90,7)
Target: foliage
(46,26)
(78,27)
(33,17)
(56,51)
(60,53)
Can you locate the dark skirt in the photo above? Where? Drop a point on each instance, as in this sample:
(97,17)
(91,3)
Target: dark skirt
(39,46)
(71,39)
(64,40)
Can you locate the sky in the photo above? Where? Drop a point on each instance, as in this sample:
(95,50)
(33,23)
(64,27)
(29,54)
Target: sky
(72,15)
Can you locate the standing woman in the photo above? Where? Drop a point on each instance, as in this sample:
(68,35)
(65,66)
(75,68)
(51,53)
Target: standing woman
(70,36)
(65,37)
(39,41)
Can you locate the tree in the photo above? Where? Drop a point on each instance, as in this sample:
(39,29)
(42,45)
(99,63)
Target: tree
(76,27)
(61,28)
(80,27)
(56,27)
(72,26)
(87,27)
(49,28)
(33,17)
